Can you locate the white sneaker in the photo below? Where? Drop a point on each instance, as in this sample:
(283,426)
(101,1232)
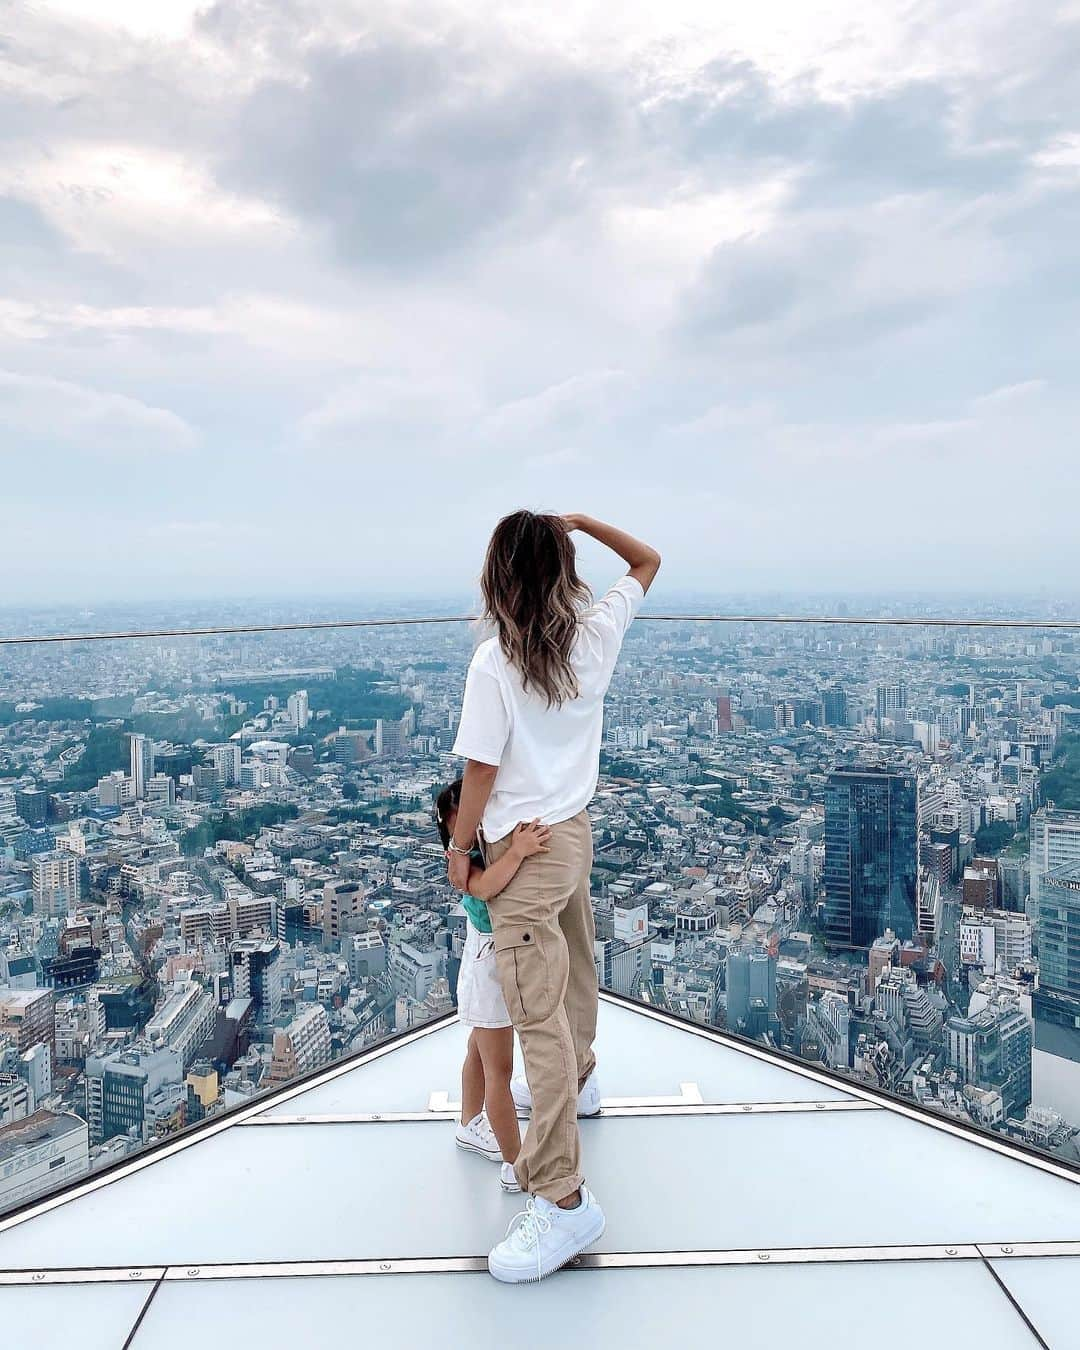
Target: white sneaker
(479,1137)
(508,1179)
(588,1102)
(545,1239)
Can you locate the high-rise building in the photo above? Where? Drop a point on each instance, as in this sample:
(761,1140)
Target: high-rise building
(367,952)
(299,713)
(161,789)
(1058,924)
(991,1050)
(391,738)
(55,883)
(28,1016)
(723,713)
(980,884)
(115,789)
(835,704)
(40,1153)
(751,992)
(142,763)
(32,805)
(226,761)
(184,1021)
(257,974)
(871,856)
(119,1086)
(990,938)
(302,1046)
(829,1019)
(1056,1003)
(1055,841)
(891,700)
(342,901)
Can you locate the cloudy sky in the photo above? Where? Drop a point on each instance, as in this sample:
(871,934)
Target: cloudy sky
(301,296)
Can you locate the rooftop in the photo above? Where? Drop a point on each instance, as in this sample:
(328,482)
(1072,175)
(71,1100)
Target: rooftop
(771,1202)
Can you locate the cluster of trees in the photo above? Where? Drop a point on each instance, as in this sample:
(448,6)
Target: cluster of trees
(352,696)
(1061,782)
(993,838)
(234,825)
(1068,700)
(50,710)
(106,750)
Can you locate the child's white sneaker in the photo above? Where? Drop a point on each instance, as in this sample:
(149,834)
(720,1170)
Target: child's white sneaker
(508,1179)
(479,1137)
(545,1238)
(588,1102)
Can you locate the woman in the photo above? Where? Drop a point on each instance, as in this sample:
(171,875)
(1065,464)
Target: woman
(530,730)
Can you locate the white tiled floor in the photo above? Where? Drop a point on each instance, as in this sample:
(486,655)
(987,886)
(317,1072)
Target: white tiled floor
(637,1056)
(58,1317)
(891,1307)
(670,1183)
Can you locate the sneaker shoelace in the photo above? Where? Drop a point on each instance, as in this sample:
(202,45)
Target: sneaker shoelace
(532,1224)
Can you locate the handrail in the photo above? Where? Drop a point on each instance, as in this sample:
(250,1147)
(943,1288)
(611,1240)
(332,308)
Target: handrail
(1072,625)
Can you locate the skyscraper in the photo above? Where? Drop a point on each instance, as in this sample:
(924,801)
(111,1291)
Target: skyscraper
(1055,841)
(1055,1060)
(871,856)
(298,709)
(226,760)
(142,763)
(835,703)
(891,699)
(751,992)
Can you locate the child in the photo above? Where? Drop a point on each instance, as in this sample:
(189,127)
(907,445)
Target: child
(488,1116)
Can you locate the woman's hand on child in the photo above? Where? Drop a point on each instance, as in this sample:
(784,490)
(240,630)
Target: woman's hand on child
(530,837)
(457,868)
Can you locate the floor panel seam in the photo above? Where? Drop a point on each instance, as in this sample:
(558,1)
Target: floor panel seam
(692,1258)
(143,1311)
(1017,1307)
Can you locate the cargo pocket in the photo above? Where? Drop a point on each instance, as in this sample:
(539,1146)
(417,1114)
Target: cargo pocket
(522,967)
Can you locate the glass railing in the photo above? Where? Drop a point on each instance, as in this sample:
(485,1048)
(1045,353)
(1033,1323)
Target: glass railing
(855,842)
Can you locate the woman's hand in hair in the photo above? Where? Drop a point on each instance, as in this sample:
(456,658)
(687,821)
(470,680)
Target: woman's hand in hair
(642,560)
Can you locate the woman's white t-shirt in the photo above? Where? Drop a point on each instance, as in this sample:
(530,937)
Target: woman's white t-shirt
(548,757)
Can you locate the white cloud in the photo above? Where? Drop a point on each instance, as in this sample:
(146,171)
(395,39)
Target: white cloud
(76,417)
(107,197)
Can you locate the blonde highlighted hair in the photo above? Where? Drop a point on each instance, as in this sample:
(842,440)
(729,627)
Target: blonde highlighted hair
(534,597)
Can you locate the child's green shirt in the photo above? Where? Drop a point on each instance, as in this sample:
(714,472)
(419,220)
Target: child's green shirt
(477,910)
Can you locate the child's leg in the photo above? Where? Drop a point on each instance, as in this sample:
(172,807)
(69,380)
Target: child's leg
(496,1048)
(472,1082)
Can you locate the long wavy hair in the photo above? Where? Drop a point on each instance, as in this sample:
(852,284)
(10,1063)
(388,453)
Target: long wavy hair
(534,598)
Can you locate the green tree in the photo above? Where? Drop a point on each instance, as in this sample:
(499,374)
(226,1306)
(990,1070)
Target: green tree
(993,838)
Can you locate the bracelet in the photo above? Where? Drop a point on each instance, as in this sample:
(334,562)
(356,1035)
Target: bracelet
(454,848)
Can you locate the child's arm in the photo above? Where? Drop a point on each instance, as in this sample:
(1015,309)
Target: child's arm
(485,883)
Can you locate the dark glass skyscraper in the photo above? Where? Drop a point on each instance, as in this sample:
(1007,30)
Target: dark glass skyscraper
(871,856)
(1056,1003)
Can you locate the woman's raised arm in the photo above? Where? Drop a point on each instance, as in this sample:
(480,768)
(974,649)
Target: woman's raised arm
(642,560)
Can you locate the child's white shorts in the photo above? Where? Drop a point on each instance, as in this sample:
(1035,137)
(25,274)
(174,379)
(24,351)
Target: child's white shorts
(480,996)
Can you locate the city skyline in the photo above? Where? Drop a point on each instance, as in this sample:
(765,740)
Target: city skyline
(303,294)
(219,869)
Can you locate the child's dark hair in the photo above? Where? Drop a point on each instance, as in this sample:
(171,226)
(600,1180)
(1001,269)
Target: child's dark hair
(449,799)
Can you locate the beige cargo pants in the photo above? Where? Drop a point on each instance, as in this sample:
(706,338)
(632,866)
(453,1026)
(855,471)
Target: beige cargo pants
(543,928)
